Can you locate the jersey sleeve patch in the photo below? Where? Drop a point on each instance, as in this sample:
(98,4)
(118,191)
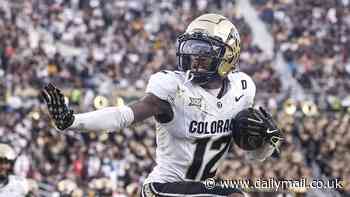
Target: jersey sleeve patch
(163,84)
(246,83)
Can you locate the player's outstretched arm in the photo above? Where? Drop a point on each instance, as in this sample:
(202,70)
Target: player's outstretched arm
(109,118)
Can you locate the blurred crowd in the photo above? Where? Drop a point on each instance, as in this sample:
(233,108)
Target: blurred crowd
(110,48)
(313,37)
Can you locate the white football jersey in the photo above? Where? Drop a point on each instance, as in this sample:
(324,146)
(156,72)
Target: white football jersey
(193,144)
(16,187)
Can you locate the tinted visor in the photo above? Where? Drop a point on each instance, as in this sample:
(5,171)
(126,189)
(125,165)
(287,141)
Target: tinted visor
(200,48)
(200,54)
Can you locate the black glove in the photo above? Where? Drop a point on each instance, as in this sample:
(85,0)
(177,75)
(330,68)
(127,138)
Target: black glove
(273,133)
(261,122)
(59,111)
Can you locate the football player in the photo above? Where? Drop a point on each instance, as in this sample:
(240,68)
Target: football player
(10,185)
(194,109)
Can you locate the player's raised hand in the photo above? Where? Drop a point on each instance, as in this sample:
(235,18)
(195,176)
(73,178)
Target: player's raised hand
(59,111)
(259,123)
(273,133)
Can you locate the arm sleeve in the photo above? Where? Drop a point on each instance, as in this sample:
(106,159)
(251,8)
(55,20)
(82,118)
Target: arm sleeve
(161,84)
(106,119)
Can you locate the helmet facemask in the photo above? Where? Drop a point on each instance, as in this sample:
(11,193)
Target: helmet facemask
(197,48)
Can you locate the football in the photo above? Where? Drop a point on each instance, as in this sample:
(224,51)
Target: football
(244,137)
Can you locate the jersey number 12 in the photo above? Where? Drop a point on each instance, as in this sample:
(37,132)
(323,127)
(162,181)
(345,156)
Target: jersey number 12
(200,153)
